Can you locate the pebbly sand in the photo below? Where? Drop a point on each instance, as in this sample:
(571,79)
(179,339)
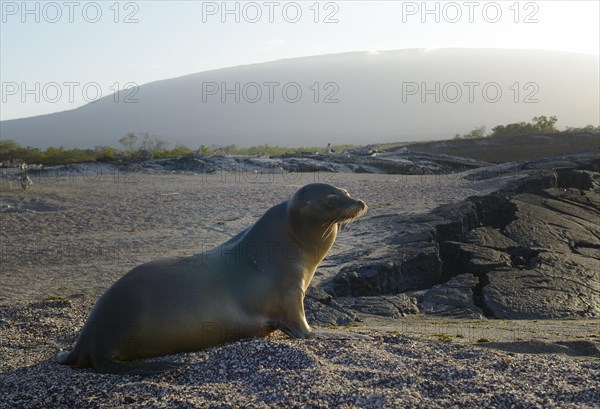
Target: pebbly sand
(77,234)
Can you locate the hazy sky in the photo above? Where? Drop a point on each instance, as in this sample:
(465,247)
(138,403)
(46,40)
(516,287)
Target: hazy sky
(65,53)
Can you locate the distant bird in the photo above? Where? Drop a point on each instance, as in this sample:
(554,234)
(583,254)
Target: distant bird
(26,182)
(372,150)
(329,148)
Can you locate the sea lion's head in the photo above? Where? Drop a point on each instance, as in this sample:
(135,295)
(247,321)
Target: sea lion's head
(317,211)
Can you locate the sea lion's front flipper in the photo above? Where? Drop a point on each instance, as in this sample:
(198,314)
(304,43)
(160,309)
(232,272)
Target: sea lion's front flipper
(292,320)
(296,331)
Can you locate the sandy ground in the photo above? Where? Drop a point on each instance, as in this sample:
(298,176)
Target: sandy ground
(87,231)
(83,232)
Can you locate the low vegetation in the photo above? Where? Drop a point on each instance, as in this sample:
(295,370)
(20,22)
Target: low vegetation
(139,146)
(10,149)
(538,125)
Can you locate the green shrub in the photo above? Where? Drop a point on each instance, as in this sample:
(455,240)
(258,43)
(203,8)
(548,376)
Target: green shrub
(538,125)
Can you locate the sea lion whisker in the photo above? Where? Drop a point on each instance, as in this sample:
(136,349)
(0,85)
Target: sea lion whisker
(332,223)
(328,230)
(348,220)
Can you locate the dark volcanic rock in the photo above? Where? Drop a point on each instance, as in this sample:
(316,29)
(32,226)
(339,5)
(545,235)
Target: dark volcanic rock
(556,268)
(452,299)
(352,161)
(576,179)
(490,237)
(529,251)
(545,262)
(557,286)
(368,280)
(413,273)
(321,309)
(390,306)
(464,258)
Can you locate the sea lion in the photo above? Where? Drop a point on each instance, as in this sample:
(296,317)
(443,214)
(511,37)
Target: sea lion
(246,287)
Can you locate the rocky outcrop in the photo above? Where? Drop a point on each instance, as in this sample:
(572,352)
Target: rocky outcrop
(413,273)
(389,306)
(399,161)
(452,299)
(529,251)
(554,269)
(322,309)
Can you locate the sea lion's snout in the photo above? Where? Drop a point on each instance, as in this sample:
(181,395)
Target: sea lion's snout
(353,210)
(358,207)
(363,206)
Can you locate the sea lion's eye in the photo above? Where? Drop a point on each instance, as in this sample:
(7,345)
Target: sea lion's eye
(332,200)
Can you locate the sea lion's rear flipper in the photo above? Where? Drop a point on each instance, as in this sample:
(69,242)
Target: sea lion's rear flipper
(135,368)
